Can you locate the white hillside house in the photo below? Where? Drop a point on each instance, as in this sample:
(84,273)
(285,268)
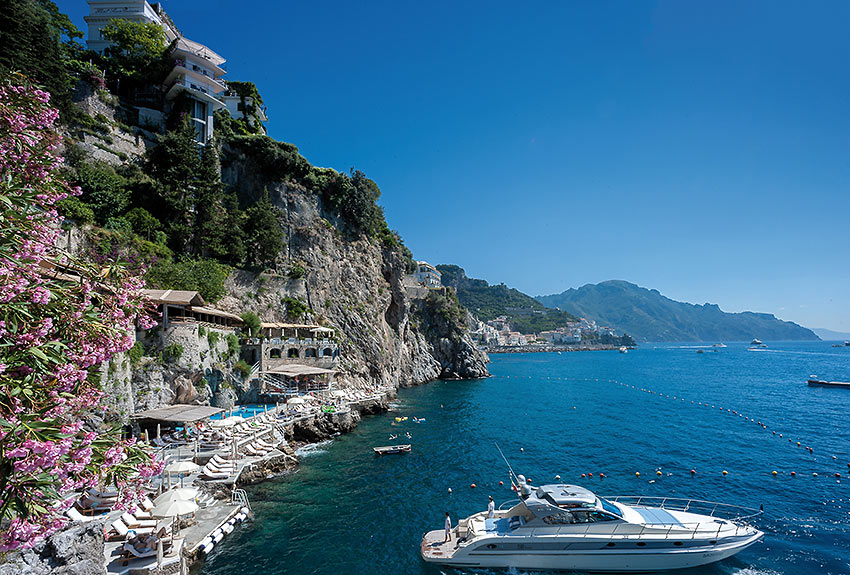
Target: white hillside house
(197,72)
(427,275)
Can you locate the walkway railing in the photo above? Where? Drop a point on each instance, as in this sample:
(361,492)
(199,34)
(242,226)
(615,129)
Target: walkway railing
(239,497)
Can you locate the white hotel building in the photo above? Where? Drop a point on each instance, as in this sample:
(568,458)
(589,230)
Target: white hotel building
(197,71)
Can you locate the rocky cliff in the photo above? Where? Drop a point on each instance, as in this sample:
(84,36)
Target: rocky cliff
(350,283)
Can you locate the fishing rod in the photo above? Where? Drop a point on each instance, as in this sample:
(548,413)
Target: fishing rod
(513,476)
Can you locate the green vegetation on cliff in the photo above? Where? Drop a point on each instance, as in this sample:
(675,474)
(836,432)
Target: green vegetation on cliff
(649,316)
(172,205)
(486,302)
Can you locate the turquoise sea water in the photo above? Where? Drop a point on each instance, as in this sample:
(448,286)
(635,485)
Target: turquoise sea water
(348,511)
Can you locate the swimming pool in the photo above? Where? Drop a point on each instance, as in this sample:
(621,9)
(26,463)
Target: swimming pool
(247,410)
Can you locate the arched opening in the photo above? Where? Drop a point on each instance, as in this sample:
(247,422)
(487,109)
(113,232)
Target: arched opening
(292,352)
(310,352)
(274,353)
(327,352)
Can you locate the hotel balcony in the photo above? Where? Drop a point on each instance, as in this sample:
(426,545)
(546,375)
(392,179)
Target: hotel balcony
(202,90)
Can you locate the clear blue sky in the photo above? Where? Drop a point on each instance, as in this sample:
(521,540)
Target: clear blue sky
(702,149)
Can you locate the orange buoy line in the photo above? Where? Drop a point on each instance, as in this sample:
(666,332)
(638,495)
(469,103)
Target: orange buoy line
(727,410)
(660,395)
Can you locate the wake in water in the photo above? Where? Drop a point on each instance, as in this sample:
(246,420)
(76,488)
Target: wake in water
(312,449)
(790,352)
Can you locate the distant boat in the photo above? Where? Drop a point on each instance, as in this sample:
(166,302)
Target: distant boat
(822,383)
(719,345)
(756,342)
(624,349)
(700,351)
(392,449)
(847,343)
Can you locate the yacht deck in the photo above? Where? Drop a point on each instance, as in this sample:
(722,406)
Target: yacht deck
(432,544)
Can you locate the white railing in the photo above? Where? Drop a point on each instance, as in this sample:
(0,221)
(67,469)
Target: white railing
(239,497)
(710,508)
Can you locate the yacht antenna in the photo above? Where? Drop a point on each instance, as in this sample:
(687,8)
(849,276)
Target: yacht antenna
(513,476)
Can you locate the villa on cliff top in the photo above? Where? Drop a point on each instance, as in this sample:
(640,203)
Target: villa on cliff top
(197,75)
(428,275)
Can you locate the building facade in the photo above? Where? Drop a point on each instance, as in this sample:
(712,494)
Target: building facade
(197,72)
(427,275)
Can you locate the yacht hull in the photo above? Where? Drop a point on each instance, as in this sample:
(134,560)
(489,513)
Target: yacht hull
(607,560)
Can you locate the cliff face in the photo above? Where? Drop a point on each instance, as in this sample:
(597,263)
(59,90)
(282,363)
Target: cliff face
(351,284)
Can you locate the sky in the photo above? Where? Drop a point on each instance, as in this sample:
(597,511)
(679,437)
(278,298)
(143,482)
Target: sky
(701,149)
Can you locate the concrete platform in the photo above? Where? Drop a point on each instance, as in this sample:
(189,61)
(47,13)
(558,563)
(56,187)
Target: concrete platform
(207,520)
(117,565)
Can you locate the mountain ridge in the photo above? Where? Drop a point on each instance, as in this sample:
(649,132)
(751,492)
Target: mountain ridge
(648,315)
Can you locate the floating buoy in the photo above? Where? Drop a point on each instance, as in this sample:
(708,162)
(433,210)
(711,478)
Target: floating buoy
(501,483)
(693,471)
(557,478)
(637,473)
(584,474)
(472,485)
(798,444)
(774,472)
(450,489)
(521,449)
(814,474)
(838,475)
(528,480)
(725,472)
(601,475)
(658,473)
(780,435)
(793,474)
(590,475)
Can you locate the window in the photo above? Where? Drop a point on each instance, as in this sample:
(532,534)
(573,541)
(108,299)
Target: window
(199,110)
(310,352)
(327,352)
(562,518)
(611,508)
(292,352)
(274,353)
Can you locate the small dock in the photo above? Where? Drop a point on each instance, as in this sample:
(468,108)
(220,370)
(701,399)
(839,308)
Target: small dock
(822,383)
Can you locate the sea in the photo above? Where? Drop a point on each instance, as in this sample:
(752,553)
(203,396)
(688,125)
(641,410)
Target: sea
(661,410)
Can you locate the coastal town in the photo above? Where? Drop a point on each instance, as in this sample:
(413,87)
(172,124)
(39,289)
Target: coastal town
(497,335)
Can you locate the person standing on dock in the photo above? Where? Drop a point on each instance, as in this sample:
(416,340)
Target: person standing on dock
(491,508)
(448,528)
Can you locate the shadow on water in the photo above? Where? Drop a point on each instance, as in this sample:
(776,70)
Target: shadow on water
(348,511)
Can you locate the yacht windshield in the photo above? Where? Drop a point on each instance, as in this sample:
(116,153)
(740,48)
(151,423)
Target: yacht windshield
(611,508)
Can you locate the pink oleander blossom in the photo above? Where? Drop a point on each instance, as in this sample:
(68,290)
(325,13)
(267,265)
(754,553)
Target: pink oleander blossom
(56,334)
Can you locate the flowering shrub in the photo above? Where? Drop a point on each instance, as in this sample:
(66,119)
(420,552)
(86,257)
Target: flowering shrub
(55,331)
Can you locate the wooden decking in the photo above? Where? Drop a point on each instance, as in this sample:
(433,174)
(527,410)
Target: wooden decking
(432,544)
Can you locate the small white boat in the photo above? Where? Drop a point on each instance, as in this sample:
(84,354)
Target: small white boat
(624,349)
(756,342)
(566,527)
(392,449)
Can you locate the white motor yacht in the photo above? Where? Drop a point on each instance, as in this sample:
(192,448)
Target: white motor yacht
(566,527)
